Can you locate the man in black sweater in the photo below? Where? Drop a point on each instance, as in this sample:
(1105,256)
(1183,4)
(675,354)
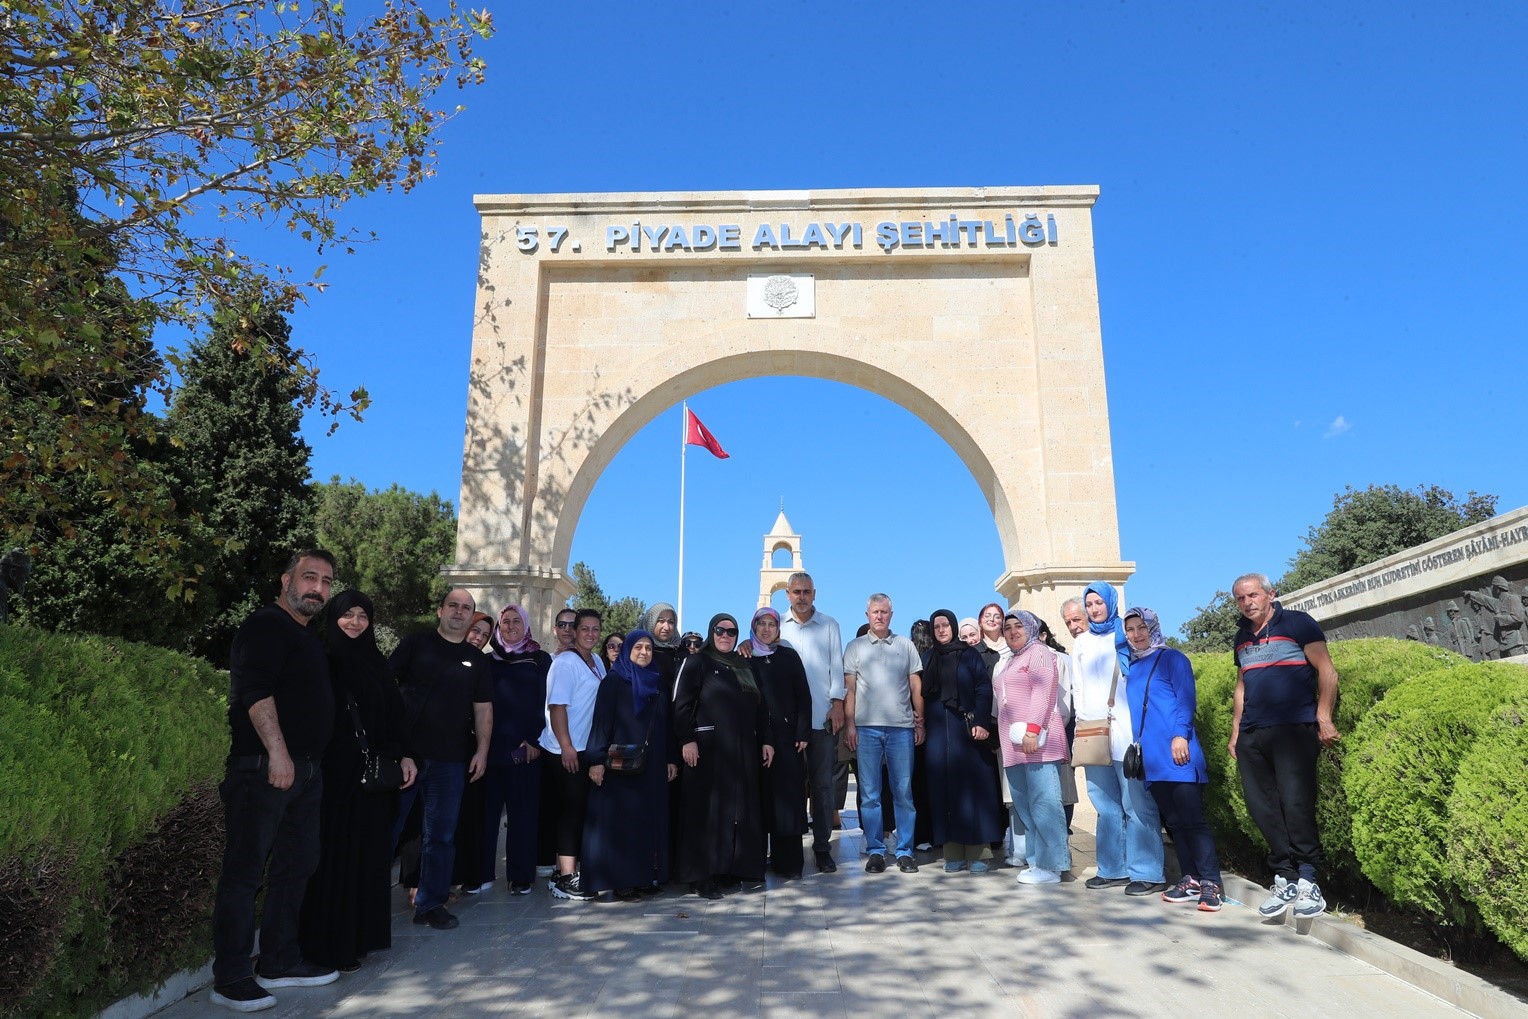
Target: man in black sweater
(280,715)
(449,702)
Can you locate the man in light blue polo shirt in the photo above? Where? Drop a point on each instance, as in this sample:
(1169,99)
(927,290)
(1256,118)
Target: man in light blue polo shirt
(815,637)
(883,720)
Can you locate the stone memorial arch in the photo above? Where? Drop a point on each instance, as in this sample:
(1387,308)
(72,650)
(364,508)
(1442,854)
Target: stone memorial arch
(974,308)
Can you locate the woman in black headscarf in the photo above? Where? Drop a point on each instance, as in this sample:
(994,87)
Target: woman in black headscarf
(347,911)
(781,676)
(626,832)
(722,724)
(957,700)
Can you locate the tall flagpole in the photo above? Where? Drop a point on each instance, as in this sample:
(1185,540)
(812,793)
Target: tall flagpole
(684,428)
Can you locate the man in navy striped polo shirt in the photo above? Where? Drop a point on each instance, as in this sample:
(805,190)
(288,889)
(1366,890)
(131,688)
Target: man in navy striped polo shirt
(1286,691)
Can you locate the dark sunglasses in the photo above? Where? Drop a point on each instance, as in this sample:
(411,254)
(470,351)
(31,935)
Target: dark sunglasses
(564,624)
(725,631)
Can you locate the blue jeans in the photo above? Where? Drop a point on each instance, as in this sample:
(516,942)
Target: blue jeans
(1129,827)
(441,784)
(1037,799)
(894,746)
(272,840)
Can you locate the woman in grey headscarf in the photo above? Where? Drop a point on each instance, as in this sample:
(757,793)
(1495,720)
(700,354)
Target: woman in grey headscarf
(662,622)
(1162,717)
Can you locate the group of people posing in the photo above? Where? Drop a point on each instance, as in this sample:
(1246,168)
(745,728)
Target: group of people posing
(645,758)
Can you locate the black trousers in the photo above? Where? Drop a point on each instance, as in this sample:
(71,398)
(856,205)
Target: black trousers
(1181,805)
(264,823)
(1278,773)
(515,789)
(821,758)
(569,795)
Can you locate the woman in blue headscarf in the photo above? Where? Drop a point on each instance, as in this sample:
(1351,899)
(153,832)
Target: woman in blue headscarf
(626,832)
(1129,834)
(1162,711)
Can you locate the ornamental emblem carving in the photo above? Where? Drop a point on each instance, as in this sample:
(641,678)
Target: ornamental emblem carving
(780,292)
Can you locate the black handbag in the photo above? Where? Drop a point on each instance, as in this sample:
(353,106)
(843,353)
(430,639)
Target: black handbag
(1134,764)
(630,758)
(378,774)
(990,743)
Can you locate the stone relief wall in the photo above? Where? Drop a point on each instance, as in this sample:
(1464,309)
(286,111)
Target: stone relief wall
(1466,591)
(1484,620)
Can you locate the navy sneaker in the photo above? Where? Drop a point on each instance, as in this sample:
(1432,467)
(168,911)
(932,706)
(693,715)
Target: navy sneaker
(304,974)
(243,995)
(1186,890)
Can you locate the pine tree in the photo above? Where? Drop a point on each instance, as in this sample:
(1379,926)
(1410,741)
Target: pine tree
(241,464)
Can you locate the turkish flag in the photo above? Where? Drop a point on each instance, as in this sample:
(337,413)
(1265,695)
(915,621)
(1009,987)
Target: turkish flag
(697,434)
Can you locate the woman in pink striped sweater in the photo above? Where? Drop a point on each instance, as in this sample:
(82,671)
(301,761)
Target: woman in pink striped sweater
(1033,739)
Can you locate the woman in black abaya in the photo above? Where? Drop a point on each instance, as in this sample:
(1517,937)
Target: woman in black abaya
(782,680)
(722,724)
(626,832)
(957,706)
(347,911)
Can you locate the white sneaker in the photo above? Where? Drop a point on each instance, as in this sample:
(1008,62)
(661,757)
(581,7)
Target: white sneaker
(1017,861)
(1039,876)
(1309,901)
(1280,897)
(486,886)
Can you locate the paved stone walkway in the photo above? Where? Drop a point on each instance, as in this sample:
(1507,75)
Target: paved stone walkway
(855,945)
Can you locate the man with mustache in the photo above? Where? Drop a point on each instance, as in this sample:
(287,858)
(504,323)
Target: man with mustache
(280,714)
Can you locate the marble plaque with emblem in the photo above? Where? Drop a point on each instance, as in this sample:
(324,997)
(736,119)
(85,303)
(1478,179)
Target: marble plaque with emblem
(782,295)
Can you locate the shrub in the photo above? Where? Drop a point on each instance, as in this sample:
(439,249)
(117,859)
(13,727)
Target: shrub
(1366,670)
(104,740)
(1399,778)
(1488,850)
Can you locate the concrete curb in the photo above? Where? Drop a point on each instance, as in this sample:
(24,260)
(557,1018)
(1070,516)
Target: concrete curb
(180,985)
(1443,981)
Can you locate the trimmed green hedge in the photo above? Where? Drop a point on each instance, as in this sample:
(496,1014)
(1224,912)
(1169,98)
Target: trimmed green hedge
(1400,777)
(1366,670)
(104,741)
(1488,847)
(1419,798)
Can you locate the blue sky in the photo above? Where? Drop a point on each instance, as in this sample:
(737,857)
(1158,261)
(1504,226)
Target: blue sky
(1308,235)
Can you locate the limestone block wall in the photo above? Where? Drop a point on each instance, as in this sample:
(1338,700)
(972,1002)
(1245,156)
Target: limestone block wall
(595,313)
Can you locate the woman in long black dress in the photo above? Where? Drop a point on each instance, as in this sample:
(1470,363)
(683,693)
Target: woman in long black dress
(626,833)
(517,667)
(662,621)
(781,676)
(957,705)
(722,724)
(347,911)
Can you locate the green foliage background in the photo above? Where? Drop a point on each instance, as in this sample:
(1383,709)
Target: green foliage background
(102,739)
(1420,800)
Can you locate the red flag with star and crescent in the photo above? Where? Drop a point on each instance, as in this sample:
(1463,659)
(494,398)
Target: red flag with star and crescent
(697,434)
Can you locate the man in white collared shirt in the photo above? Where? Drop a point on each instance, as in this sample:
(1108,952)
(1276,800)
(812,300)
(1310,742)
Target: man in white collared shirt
(815,637)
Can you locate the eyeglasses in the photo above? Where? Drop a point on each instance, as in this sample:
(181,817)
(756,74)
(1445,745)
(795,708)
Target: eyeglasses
(725,631)
(692,643)
(564,624)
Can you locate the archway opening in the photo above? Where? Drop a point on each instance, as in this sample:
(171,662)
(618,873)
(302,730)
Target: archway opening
(882,503)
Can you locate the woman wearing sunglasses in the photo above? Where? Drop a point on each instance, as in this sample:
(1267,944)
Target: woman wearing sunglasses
(722,726)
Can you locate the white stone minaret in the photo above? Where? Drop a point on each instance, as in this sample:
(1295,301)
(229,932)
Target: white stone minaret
(772,578)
